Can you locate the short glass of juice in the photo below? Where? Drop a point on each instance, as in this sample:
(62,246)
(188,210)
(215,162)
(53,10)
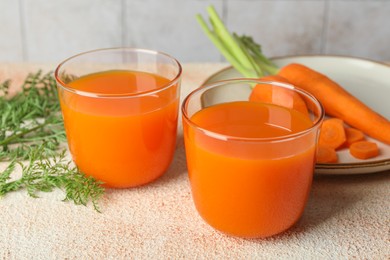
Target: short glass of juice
(250,160)
(120,111)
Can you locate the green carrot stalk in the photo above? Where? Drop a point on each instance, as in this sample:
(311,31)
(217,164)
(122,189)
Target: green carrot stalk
(240,51)
(221,47)
(225,43)
(260,59)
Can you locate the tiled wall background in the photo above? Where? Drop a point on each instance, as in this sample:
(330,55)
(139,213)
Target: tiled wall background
(49,31)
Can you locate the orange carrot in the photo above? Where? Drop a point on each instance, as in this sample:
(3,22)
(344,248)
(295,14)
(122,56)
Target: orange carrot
(353,135)
(247,58)
(279,96)
(326,154)
(364,149)
(332,133)
(337,101)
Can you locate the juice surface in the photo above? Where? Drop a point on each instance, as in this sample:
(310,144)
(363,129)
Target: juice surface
(119,82)
(122,141)
(251,120)
(249,188)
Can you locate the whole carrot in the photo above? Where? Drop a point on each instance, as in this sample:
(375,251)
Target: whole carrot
(337,101)
(246,56)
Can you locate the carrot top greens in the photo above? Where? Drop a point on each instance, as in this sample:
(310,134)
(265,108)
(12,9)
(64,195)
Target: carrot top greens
(29,118)
(242,52)
(31,135)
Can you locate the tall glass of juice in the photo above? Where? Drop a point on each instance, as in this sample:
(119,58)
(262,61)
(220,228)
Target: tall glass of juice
(120,110)
(250,159)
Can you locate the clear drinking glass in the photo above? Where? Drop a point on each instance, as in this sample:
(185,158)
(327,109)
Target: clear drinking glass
(250,162)
(120,110)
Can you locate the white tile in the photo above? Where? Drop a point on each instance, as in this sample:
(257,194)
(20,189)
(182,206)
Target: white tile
(54,30)
(170,26)
(359,28)
(10,32)
(58,29)
(281,27)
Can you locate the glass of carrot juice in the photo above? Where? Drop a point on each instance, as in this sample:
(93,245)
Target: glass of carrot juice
(120,111)
(250,162)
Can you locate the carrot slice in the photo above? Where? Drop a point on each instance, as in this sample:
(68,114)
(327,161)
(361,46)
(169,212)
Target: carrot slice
(364,149)
(277,95)
(332,133)
(326,154)
(353,135)
(337,101)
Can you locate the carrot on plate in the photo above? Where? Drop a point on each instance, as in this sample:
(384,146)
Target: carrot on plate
(364,149)
(278,95)
(247,58)
(353,135)
(332,133)
(326,154)
(337,101)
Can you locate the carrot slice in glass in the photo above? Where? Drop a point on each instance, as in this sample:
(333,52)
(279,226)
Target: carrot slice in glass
(278,95)
(326,154)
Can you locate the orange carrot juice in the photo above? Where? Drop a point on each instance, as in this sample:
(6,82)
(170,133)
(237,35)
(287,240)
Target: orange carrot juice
(250,175)
(121,134)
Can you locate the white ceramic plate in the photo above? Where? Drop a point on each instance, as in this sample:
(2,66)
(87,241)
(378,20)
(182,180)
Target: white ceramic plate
(367,80)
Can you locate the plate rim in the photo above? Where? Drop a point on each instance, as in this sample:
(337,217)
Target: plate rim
(306,56)
(329,166)
(332,56)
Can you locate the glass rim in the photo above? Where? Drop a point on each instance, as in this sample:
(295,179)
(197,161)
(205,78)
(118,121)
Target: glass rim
(171,82)
(225,137)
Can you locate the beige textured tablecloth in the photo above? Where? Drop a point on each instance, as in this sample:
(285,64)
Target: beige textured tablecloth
(346,216)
